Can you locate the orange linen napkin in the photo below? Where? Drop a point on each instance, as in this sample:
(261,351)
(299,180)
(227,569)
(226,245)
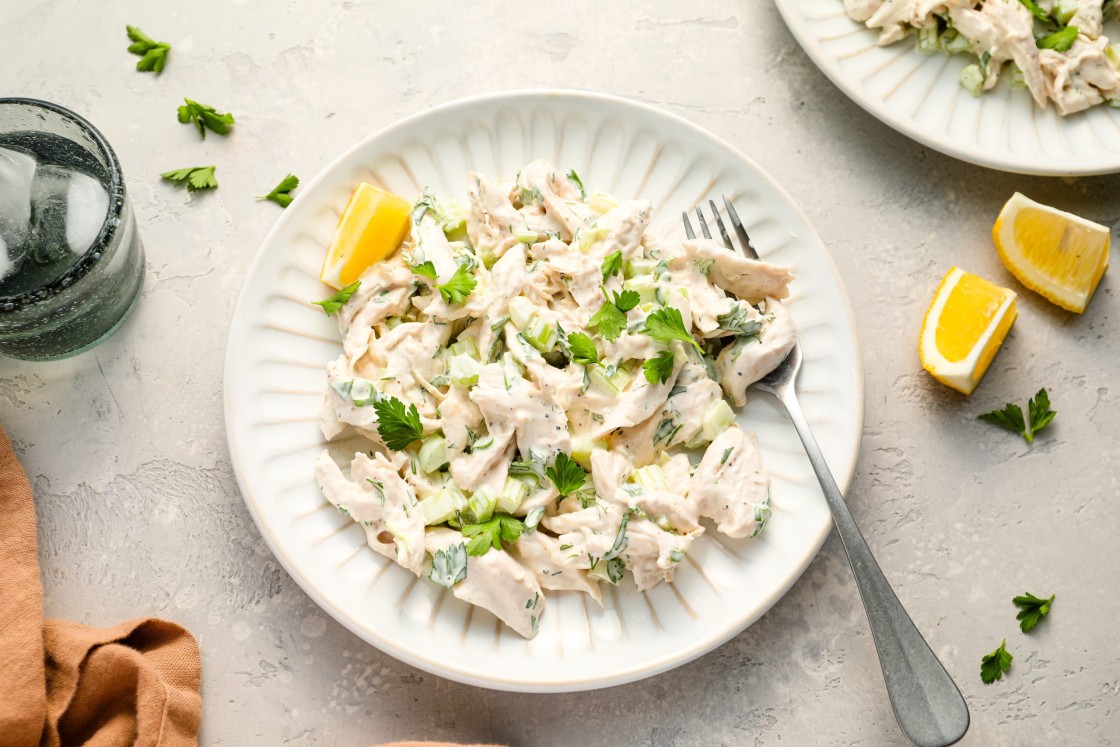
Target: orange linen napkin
(69,684)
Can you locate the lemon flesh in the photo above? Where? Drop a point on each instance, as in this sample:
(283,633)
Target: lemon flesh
(964,328)
(371,228)
(1058,255)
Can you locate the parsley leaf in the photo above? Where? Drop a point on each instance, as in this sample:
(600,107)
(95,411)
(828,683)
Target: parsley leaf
(398,427)
(659,369)
(193,177)
(205,117)
(1036,11)
(666,325)
(1031,610)
(738,322)
(572,175)
(461,285)
(583,349)
(626,300)
(153,54)
(1010,417)
(1059,41)
(492,533)
(449,566)
(566,474)
(1038,408)
(334,303)
(281,193)
(610,319)
(993,665)
(612,264)
(427,269)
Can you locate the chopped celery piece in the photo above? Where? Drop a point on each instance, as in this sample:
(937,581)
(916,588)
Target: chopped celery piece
(433,454)
(587,236)
(972,80)
(1114,103)
(638,267)
(362,392)
(442,505)
(481,504)
(650,477)
(601,202)
(1064,11)
(1016,78)
(463,370)
(465,346)
(582,446)
(927,38)
(645,286)
(527,237)
(610,379)
(514,492)
(719,418)
(393,322)
(521,312)
(541,335)
(1113,55)
(512,367)
(954,42)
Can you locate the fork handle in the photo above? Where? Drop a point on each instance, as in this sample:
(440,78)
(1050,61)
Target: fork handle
(926,701)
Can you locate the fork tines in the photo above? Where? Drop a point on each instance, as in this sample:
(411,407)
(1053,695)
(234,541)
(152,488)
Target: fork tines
(744,239)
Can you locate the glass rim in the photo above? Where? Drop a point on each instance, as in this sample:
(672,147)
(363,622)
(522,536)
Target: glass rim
(97,247)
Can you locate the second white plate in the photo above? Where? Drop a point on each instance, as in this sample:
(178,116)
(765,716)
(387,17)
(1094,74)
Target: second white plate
(920,96)
(279,345)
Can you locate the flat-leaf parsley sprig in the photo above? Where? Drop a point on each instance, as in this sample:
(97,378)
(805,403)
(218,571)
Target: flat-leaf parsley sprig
(1031,610)
(566,474)
(281,194)
(193,178)
(205,117)
(610,319)
(993,665)
(1011,417)
(397,426)
(332,304)
(153,54)
(666,325)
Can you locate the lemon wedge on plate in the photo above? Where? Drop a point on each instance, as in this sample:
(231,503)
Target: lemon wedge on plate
(371,228)
(1056,254)
(964,328)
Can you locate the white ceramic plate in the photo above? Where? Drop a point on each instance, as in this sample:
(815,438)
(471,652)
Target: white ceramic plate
(279,345)
(921,97)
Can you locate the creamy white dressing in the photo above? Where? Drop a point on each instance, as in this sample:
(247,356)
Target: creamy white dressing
(482,343)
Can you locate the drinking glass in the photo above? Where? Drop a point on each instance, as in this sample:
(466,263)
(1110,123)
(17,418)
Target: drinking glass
(71,261)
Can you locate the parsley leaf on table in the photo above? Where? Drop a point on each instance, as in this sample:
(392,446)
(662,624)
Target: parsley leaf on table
(583,349)
(193,177)
(1031,610)
(659,369)
(205,117)
(1010,417)
(993,665)
(397,426)
(281,193)
(566,474)
(461,285)
(612,264)
(334,303)
(610,319)
(492,533)
(449,566)
(665,325)
(153,54)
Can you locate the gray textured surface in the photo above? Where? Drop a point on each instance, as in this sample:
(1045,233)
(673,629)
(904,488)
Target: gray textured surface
(139,512)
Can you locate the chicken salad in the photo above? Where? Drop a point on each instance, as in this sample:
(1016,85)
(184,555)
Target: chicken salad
(533,371)
(1056,49)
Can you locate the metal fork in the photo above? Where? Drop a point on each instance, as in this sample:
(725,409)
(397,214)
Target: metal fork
(926,701)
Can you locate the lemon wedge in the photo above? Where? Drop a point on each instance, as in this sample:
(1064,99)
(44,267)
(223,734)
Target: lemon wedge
(1058,255)
(371,228)
(964,328)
